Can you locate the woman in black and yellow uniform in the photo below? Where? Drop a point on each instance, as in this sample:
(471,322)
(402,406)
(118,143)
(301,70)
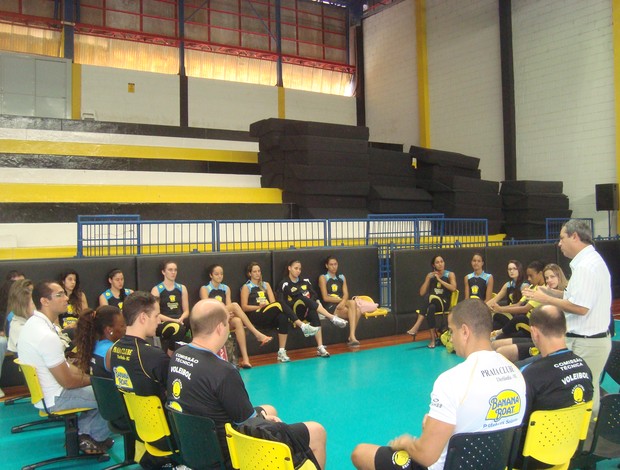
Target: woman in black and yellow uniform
(70,281)
(173,307)
(510,293)
(216,289)
(259,303)
(478,284)
(335,298)
(117,292)
(438,285)
(520,348)
(297,297)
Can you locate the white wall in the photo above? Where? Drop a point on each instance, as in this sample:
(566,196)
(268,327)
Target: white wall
(390,72)
(464,73)
(309,106)
(219,104)
(564,87)
(105,93)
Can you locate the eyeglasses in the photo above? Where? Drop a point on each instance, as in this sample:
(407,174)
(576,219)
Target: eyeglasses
(59,295)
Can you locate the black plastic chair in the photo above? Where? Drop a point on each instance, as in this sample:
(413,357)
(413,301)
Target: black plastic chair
(612,367)
(605,437)
(112,409)
(197,440)
(492,450)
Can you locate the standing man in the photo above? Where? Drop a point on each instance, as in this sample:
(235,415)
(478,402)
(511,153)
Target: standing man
(586,302)
(486,392)
(64,385)
(201,383)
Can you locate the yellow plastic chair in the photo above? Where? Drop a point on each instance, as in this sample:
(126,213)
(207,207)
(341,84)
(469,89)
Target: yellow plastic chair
(149,418)
(70,418)
(554,435)
(379,312)
(251,453)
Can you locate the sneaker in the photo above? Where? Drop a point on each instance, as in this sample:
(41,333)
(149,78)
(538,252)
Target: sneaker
(89,446)
(339,322)
(321,351)
(309,330)
(282,356)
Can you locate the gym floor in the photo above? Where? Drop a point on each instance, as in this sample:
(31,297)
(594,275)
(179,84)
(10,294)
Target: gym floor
(370,395)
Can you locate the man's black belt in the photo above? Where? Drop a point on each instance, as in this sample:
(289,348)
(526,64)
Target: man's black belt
(598,335)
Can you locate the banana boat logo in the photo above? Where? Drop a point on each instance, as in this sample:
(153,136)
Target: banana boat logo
(506,403)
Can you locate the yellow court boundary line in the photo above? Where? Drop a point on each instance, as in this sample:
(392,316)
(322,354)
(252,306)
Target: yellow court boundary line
(101,194)
(125,151)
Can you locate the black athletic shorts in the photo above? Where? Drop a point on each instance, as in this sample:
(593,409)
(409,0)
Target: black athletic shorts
(387,458)
(299,429)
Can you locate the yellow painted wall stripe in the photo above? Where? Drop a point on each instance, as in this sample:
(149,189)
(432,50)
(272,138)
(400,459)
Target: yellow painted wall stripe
(281,102)
(126,151)
(423,98)
(38,252)
(65,193)
(615,11)
(76,91)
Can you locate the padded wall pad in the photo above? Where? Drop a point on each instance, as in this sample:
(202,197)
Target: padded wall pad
(92,271)
(328,172)
(332,213)
(526,187)
(386,146)
(358,264)
(326,188)
(408,181)
(517,216)
(444,158)
(296,127)
(306,200)
(387,162)
(467,197)
(192,270)
(387,206)
(331,144)
(269,156)
(402,194)
(497,258)
(534,201)
(271,141)
(272,181)
(468,210)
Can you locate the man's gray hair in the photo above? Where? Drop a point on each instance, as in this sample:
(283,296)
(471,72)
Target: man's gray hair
(581,228)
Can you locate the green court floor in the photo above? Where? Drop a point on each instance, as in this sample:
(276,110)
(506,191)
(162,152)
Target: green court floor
(366,396)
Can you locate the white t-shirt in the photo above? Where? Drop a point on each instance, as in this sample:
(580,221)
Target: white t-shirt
(589,287)
(485,392)
(40,346)
(15,330)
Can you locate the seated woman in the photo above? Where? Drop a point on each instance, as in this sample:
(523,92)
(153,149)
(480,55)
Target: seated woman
(259,303)
(510,293)
(21,308)
(520,312)
(117,292)
(299,300)
(70,281)
(335,298)
(96,332)
(519,349)
(438,285)
(478,284)
(173,307)
(216,289)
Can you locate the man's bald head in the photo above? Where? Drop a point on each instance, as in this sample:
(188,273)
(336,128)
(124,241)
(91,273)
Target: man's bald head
(550,320)
(206,316)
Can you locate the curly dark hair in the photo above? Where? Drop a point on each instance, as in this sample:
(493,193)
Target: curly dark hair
(91,328)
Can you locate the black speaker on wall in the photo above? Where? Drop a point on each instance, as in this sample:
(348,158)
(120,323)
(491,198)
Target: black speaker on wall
(607,197)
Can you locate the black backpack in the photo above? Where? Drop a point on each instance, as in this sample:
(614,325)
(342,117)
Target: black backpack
(279,432)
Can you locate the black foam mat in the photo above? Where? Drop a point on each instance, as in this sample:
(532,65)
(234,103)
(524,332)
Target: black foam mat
(304,157)
(442,177)
(536,201)
(444,158)
(311,200)
(408,181)
(332,213)
(296,127)
(388,206)
(526,231)
(330,144)
(401,194)
(468,197)
(468,210)
(327,188)
(520,187)
(387,162)
(327,172)
(518,216)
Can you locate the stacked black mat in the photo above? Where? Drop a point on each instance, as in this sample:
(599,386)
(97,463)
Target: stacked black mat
(455,183)
(321,167)
(393,183)
(527,204)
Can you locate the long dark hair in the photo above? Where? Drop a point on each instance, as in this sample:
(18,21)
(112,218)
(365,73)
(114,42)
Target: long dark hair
(520,279)
(75,299)
(91,328)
